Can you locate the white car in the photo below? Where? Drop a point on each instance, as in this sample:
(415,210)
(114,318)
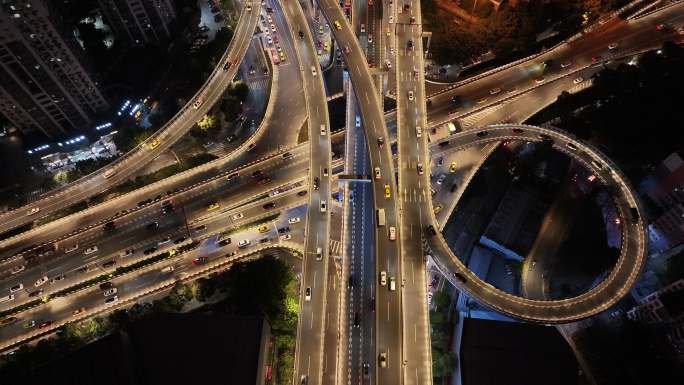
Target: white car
(294,220)
(313,70)
(249,8)
(269,41)
(90,250)
(495,91)
(70,249)
(612,45)
(273,28)
(323,130)
(410,95)
(419,132)
(42,280)
(16,288)
(197,103)
(383,278)
(391,19)
(286,237)
(566,64)
(109,292)
(578,80)
(441,179)
(392,233)
(324,206)
(377,173)
(393,284)
(17,269)
(238,216)
(307,294)
(33,211)
(164,240)
(243,243)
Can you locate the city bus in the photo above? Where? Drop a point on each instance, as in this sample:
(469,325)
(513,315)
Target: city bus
(381,217)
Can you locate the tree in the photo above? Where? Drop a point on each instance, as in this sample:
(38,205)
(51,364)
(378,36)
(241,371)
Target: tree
(441,300)
(207,122)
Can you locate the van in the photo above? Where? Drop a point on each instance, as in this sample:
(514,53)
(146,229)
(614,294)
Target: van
(319,253)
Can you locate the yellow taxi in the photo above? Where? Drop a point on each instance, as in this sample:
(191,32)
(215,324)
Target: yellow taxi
(213,206)
(263,228)
(337,24)
(452,167)
(153,144)
(387,191)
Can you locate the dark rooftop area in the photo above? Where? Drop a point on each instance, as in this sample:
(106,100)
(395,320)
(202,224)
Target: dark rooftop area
(510,353)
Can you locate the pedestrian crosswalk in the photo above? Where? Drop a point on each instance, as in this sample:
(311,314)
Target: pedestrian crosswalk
(335,247)
(260,83)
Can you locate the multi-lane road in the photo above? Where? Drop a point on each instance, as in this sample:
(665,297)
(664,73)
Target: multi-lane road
(122,168)
(296,179)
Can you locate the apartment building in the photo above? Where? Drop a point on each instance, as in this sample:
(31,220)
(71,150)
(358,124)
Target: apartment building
(45,89)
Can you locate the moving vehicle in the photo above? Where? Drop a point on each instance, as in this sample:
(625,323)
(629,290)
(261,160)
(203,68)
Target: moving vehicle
(392,233)
(337,25)
(495,91)
(419,167)
(393,284)
(109,292)
(380,214)
(383,278)
(90,250)
(323,130)
(227,65)
(294,220)
(243,243)
(324,206)
(441,179)
(313,70)
(167,269)
(410,95)
(109,173)
(7,298)
(419,132)
(213,206)
(42,280)
(377,173)
(238,216)
(307,294)
(382,359)
(612,45)
(319,253)
(200,260)
(263,228)
(197,103)
(111,299)
(452,167)
(578,80)
(17,269)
